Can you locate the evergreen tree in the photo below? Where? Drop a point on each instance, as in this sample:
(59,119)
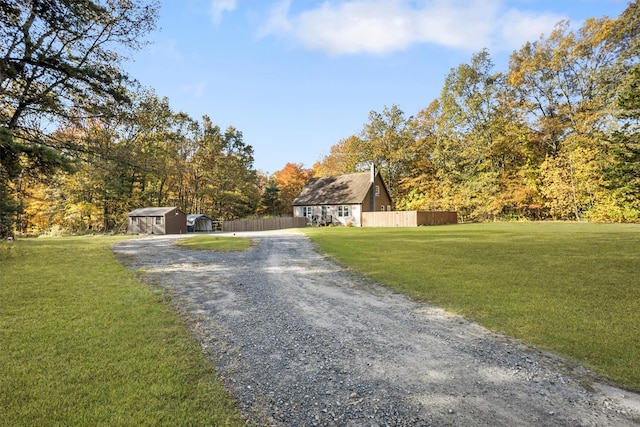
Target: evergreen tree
(270,202)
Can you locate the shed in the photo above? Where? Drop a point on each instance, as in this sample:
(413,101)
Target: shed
(341,199)
(199,222)
(160,220)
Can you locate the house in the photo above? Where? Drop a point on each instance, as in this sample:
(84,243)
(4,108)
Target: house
(199,222)
(162,220)
(341,199)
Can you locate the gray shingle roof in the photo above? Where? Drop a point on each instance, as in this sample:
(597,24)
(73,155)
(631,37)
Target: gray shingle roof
(345,189)
(160,211)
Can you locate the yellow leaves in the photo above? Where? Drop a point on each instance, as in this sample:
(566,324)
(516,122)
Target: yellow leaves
(36,214)
(343,158)
(612,209)
(596,31)
(571,181)
(83,215)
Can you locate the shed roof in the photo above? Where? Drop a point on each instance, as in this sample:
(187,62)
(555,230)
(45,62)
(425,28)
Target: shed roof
(159,211)
(192,217)
(344,189)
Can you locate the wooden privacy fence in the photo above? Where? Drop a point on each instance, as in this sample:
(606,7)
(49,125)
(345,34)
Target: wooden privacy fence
(264,224)
(407,218)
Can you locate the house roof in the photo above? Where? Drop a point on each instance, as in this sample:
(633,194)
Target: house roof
(345,189)
(160,211)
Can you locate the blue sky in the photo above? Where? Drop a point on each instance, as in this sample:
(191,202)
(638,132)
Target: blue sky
(297,76)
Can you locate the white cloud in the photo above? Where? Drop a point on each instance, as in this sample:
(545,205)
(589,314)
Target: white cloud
(360,26)
(383,26)
(219,7)
(278,21)
(518,27)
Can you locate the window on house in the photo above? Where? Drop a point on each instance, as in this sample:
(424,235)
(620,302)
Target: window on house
(343,211)
(134,219)
(388,208)
(377,190)
(158,220)
(307,211)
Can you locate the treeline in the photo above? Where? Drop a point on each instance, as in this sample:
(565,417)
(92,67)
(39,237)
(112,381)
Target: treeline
(553,137)
(150,157)
(81,143)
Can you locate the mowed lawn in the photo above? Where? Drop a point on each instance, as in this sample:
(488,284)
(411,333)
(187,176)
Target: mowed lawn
(570,288)
(83,342)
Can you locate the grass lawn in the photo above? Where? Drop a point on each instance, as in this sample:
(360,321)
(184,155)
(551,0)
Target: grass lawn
(215,243)
(570,288)
(82,342)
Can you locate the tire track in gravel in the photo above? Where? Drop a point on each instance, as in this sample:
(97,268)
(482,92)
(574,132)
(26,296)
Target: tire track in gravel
(301,341)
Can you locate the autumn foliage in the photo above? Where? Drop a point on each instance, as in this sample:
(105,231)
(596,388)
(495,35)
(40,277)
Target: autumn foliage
(553,136)
(287,184)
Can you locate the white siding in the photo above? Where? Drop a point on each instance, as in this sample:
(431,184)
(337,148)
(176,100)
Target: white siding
(354,218)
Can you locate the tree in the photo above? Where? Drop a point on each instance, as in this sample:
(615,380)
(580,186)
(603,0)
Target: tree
(345,157)
(623,175)
(290,180)
(60,60)
(386,139)
(475,150)
(270,203)
(566,84)
(147,156)
(227,184)
(126,161)
(420,186)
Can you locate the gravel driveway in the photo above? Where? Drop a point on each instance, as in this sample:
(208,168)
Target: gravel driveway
(301,341)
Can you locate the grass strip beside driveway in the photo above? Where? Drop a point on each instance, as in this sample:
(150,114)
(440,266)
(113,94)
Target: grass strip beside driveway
(570,288)
(82,342)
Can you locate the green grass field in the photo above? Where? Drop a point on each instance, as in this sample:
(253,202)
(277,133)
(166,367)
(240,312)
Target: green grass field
(573,289)
(83,342)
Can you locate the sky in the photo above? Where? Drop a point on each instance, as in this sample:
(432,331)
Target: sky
(297,76)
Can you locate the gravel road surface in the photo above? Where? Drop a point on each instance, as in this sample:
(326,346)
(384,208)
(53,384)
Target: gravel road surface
(301,341)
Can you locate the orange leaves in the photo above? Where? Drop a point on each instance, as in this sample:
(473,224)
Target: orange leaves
(290,181)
